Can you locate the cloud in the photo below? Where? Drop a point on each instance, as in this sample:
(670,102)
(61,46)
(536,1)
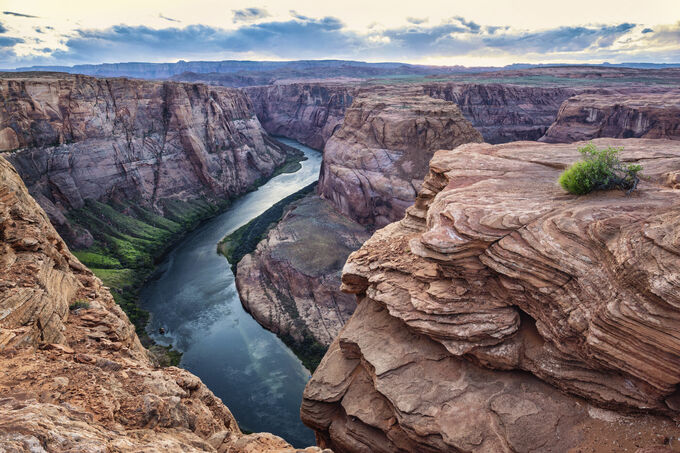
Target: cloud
(12,13)
(3,29)
(304,37)
(297,38)
(168,18)
(562,39)
(416,20)
(6,41)
(249,14)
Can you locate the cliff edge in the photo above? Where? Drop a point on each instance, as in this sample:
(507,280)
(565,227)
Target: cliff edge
(502,314)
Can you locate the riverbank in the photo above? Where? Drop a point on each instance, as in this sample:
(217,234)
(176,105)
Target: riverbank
(131,240)
(192,295)
(243,241)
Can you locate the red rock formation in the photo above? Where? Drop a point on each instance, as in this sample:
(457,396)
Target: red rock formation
(637,114)
(502,314)
(306,112)
(374,164)
(504,113)
(86,138)
(291,283)
(80,379)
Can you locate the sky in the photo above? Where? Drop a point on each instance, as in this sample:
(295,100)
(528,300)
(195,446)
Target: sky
(450,32)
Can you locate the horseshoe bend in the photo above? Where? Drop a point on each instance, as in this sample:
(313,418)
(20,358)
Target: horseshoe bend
(419,257)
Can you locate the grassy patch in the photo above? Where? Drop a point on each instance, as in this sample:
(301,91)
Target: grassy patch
(309,351)
(165,355)
(78,305)
(130,239)
(244,240)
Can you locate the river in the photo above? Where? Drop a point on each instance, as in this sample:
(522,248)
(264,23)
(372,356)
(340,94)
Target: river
(192,295)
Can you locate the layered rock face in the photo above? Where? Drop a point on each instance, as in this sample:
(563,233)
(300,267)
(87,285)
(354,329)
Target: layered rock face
(502,314)
(370,174)
(306,112)
(79,379)
(504,113)
(374,164)
(290,284)
(617,114)
(85,138)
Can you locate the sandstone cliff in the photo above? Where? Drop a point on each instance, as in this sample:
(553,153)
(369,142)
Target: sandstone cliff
(291,282)
(370,173)
(77,138)
(374,164)
(504,113)
(629,114)
(74,374)
(308,113)
(502,314)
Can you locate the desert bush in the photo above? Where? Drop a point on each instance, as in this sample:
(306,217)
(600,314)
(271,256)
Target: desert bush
(79,304)
(600,169)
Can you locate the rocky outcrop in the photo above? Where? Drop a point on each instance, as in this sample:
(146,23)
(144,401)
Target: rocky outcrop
(636,114)
(291,283)
(306,112)
(502,314)
(75,138)
(74,374)
(502,112)
(374,164)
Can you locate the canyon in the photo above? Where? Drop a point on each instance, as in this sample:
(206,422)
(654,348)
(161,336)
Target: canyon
(77,138)
(495,314)
(306,112)
(653,114)
(503,315)
(76,376)
(376,152)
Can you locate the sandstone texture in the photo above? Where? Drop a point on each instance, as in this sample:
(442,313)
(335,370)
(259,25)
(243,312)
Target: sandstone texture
(374,164)
(74,374)
(617,114)
(306,112)
(504,113)
(291,283)
(74,138)
(502,314)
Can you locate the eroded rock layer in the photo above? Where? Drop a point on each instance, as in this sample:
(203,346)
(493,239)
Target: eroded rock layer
(504,113)
(306,112)
(74,374)
(636,114)
(502,314)
(374,164)
(291,283)
(75,138)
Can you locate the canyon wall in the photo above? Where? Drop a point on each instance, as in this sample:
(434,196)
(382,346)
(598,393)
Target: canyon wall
(74,138)
(306,112)
(504,113)
(75,376)
(502,314)
(291,282)
(374,164)
(624,114)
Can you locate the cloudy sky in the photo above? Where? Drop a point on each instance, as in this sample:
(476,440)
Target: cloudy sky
(468,32)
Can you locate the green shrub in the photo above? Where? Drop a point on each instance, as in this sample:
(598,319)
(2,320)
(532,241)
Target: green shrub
(600,169)
(79,304)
